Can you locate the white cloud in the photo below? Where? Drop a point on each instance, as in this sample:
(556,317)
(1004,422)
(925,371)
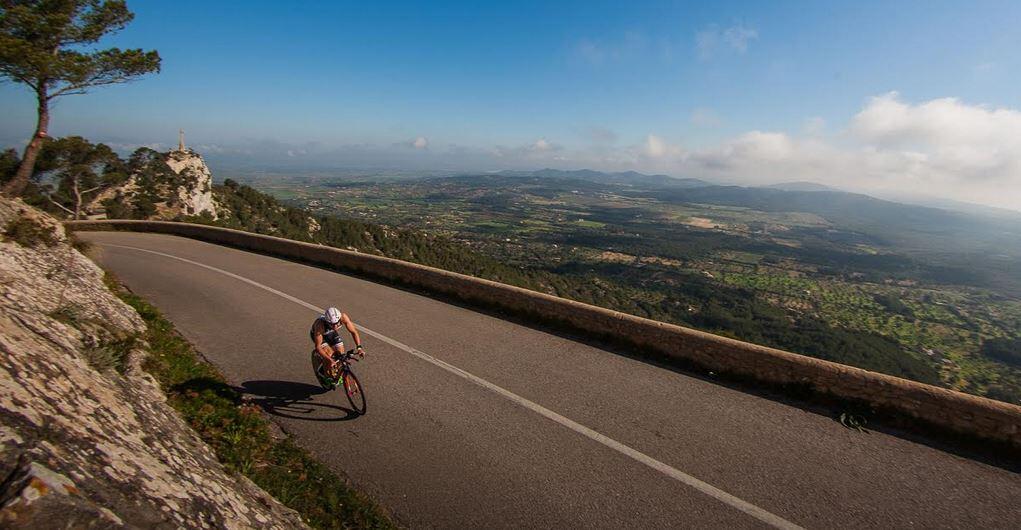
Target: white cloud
(942,147)
(656,147)
(712,39)
(941,123)
(541,145)
(951,144)
(419,143)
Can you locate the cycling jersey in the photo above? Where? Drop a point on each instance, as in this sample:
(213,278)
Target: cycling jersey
(321,326)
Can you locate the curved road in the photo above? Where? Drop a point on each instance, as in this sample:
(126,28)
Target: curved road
(478,422)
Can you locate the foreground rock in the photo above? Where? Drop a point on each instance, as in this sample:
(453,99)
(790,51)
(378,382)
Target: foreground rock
(82,445)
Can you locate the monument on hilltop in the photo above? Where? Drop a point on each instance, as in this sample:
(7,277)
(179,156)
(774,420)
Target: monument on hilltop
(176,184)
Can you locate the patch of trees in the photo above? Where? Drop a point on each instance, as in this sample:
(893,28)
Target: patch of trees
(1007,351)
(67,174)
(50,47)
(692,300)
(71,172)
(893,304)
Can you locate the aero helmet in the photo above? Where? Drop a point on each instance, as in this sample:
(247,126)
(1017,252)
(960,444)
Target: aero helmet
(332,315)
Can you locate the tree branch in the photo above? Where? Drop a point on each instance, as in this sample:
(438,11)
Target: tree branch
(82,87)
(19,78)
(58,205)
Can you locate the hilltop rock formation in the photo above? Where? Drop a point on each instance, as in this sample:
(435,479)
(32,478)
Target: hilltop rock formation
(161,186)
(81,444)
(197,198)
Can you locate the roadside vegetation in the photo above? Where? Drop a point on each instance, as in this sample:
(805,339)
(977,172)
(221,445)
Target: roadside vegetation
(241,436)
(29,232)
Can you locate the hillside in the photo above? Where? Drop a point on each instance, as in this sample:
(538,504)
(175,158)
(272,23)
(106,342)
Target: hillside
(87,437)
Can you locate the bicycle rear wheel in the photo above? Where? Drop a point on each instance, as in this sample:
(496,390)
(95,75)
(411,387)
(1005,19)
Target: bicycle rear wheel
(355,392)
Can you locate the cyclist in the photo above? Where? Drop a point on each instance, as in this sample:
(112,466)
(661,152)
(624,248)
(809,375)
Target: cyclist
(325,334)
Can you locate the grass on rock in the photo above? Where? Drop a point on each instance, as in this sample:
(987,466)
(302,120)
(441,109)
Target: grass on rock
(29,232)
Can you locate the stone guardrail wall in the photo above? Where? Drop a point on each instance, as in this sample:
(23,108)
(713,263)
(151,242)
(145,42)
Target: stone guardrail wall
(944,409)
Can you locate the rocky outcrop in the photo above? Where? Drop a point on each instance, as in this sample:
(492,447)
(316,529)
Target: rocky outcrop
(81,444)
(164,186)
(197,198)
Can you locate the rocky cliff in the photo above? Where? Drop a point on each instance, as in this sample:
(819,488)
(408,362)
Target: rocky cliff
(197,198)
(162,186)
(86,439)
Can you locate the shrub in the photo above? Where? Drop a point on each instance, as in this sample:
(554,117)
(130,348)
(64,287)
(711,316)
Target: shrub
(79,244)
(29,232)
(110,354)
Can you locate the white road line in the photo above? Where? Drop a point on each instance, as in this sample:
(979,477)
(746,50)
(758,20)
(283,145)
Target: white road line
(704,487)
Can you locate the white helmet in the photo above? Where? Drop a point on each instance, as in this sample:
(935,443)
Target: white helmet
(332,315)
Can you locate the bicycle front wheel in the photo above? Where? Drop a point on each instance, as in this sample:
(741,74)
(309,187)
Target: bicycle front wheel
(355,392)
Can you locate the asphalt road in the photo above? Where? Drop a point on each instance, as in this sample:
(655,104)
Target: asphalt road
(477,422)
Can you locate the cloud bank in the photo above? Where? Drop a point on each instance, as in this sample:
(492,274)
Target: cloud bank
(943,148)
(940,148)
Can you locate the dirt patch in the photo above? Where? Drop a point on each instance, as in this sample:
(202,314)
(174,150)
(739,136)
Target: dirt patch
(702,222)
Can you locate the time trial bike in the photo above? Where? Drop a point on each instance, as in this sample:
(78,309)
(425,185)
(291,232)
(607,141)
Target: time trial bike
(345,378)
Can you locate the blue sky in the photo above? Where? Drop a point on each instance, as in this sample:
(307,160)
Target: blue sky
(676,87)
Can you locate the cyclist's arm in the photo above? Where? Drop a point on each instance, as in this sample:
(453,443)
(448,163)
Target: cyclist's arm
(352,330)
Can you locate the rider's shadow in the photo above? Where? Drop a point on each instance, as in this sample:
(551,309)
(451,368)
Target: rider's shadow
(289,399)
